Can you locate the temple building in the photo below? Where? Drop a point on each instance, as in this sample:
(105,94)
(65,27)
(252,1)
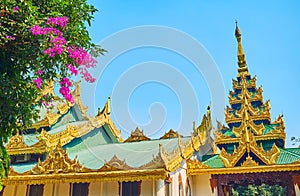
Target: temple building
(67,152)
(251,146)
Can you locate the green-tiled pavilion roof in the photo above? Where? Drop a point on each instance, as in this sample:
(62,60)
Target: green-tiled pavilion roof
(286,156)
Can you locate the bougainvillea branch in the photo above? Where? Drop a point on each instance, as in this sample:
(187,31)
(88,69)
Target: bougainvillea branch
(40,40)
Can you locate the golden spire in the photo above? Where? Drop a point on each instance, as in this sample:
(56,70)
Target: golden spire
(240,53)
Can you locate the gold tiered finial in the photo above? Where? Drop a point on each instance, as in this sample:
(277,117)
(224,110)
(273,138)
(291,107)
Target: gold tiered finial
(240,54)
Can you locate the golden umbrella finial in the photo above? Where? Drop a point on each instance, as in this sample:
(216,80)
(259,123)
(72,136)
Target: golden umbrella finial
(240,53)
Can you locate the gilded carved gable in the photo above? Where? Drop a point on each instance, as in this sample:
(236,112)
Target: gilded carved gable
(16,142)
(58,162)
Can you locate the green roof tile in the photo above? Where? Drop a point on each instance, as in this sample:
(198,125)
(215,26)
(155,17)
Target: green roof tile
(288,155)
(135,154)
(214,162)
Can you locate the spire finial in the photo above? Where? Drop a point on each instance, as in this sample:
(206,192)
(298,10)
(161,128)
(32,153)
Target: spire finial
(237,30)
(240,53)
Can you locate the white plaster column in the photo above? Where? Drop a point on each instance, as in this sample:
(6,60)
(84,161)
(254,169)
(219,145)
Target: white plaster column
(160,187)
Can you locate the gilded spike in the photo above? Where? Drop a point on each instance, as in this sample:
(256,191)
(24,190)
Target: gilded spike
(240,53)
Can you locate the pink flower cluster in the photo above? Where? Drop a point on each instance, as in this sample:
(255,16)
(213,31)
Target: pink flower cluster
(72,69)
(16,8)
(81,57)
(84,60)
(37,30)
(57,46)
(38,82)
(65,84)
(10,37)
(86,75)
(58,21)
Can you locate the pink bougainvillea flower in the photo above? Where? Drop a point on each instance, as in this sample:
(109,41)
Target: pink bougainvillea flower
(16,8)
(39,72)
(58,21)
(72,69)
(10,37)
(38,82)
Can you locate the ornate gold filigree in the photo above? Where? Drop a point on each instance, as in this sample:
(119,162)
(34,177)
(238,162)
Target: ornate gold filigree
(136,136)
(16,142)
(77,100)
(57,162)
(114,164)
(186,148)
(230,160)
(156,162)
(195,164)
(242,170)
(249,162)
(170,134)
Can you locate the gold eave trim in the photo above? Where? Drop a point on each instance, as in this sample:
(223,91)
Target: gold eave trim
(242,170)
(29,150)
(257,138)
(88,177)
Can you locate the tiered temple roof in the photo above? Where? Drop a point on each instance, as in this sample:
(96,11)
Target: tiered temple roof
(68,146)
(250,142)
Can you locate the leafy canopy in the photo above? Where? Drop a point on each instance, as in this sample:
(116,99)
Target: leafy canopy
(24,64)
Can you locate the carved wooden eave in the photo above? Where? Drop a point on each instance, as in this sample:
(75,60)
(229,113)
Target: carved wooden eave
(86,177)
(256,114)
(170,134)
(57,162)
(52,117)
(48,141)
(249,162)
(219,136)
(186,148)
(103,117)
(245,169)
(16,142)
(206,124)
(155,163)
(257,129)
(59,168)
(267,157)
(136,136)
(17,146)
(114,164)
(77,100)
(250,84)
(223,139)
(195,164)
(184,151)
(277,133)
(230,160)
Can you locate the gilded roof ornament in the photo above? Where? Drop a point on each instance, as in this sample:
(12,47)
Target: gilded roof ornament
(114,164)
(57,162)
(136,136)
(240,53)
(170,134)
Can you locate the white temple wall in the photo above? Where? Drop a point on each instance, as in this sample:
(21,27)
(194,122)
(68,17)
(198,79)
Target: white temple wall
(200,185)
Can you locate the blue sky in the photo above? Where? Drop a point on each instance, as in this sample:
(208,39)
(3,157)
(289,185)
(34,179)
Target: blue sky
(270,33)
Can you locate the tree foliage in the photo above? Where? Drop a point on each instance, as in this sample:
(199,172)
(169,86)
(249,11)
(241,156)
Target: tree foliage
(22,55)
(262,190)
